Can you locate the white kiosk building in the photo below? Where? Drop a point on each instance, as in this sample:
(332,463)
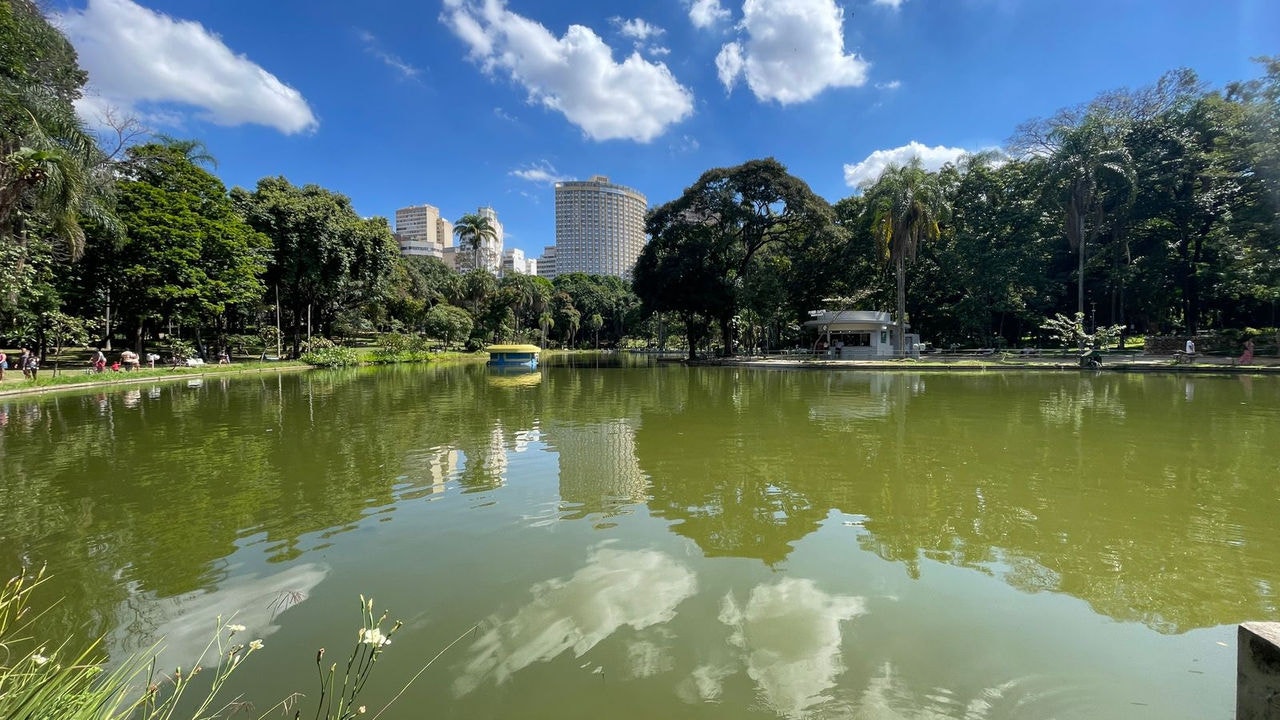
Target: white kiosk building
(858,334)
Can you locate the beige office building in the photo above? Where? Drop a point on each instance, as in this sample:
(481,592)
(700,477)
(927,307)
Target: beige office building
(418,231)
(599,227)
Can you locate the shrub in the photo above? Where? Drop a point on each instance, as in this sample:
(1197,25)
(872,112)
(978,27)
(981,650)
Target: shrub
(322,352)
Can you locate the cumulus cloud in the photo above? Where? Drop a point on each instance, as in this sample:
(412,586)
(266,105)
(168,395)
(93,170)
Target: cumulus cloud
(138,56)
(932,158)
(616,589)
(790,51)
(575,74)
(637,28)
(539,172)
(707,13)
(642,32)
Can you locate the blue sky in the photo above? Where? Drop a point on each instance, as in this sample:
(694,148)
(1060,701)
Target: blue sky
(463,103)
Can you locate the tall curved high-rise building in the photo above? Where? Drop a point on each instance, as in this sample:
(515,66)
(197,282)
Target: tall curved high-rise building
(599,227)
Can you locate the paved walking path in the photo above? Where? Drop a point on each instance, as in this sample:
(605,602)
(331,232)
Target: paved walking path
(1013,361)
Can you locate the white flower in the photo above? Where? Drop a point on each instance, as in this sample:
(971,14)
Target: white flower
(39,659)
(374,636)
(255,645)
(235,628)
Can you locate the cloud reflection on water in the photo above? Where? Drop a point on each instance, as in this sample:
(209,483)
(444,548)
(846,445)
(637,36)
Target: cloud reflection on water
(616,588)
(189,620)
(789,634)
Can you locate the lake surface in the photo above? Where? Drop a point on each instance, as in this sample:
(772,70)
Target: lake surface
(662,541)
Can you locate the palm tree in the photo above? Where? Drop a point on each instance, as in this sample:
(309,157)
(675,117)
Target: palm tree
(52,173)
(1096,174)
(473,230)
(48,170)
(906,204)
(546,321)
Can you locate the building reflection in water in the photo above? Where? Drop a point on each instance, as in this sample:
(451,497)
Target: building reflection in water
(599,472)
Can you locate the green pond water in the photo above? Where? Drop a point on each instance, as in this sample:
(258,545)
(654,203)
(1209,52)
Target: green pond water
(645,541)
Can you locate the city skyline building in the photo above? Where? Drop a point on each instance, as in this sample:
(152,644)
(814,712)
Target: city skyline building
(599,227)
(514,261)
(418,231)
(547,263)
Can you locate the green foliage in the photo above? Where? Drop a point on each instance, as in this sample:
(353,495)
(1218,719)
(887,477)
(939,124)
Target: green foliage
(49,166)
(326,258)
(399,348)
(709,242)
(187,255)
(906,205)
(322,352)
(476,234)
(449,323)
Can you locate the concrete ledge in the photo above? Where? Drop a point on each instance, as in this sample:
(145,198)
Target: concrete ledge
(1258,671)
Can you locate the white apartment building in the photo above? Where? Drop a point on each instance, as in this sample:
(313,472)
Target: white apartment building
(547,263)
(599,227)
(514,261)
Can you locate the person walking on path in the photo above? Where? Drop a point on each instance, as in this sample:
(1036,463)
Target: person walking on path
(22,363)
(4,364)
(1247,357)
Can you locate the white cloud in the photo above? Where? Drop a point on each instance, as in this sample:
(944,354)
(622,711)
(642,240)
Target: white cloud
(793,50)
(575,75)
(374,47)
(895,4)
(616,588)
(932,158)
(891,85)
(706,13)
(135,55)
(642,32)
(729,64)
(637,29)
(539,172)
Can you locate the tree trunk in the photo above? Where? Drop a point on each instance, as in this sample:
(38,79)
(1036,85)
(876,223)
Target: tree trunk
(900,331)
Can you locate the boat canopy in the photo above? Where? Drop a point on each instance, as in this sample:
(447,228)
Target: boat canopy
(513,349)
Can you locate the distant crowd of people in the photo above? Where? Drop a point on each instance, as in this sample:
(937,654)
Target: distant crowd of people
(28,362)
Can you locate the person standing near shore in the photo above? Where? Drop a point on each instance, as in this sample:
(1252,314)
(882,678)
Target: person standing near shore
(22,363)
(30,365)
(1245,359)
(4,364)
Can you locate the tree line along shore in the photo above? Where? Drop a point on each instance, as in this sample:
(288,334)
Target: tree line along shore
(1153,210)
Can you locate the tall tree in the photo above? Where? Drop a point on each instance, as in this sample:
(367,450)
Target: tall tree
(187,254)
(1095,178)
(906,204)
(51,174)
(325,259)
(736,213)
